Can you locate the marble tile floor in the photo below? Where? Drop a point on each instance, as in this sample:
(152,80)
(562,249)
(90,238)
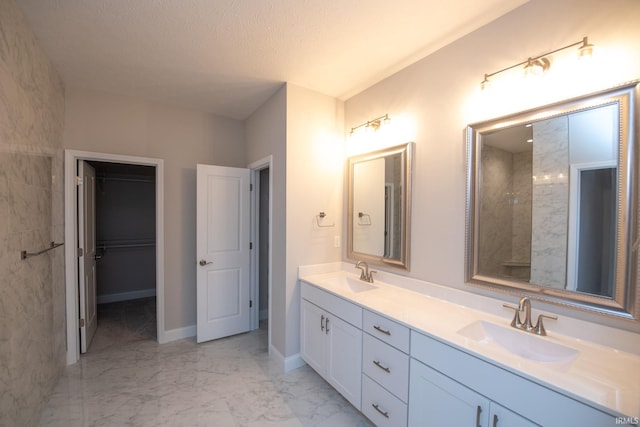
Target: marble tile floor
(128,379)
(120,323)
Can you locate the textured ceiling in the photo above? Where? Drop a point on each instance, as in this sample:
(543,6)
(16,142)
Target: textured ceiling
(228,56)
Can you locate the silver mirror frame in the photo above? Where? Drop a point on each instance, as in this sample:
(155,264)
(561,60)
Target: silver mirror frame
(403,262)
(625,302)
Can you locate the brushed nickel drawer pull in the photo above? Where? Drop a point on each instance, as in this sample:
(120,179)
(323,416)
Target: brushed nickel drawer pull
(377,408)
(381,366)
(322,323)
(379,329)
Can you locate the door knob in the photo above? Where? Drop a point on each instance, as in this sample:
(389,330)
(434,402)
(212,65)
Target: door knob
(204,262)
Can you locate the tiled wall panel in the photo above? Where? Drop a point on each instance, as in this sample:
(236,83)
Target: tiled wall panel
(32,301)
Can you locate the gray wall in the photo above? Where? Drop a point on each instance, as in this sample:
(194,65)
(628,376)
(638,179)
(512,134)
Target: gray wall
(32,317)
(265,135)
(302,130)
(110,124)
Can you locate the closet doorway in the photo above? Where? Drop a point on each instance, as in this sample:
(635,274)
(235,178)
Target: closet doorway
(129,244)
(125,255)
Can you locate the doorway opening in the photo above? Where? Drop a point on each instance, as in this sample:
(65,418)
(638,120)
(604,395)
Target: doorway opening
(261,230)
(125,230)
(263,239)
(132,247)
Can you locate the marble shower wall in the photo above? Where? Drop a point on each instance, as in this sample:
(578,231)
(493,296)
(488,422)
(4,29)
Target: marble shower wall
(521,208)
(496,217)
(505,213)
(32,297)
(550,202)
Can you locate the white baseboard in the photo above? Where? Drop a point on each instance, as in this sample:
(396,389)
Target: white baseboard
(286,364)
(178,334)
(125,296)
(293,362)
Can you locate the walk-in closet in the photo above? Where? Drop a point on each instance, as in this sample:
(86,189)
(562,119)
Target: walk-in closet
(125,206)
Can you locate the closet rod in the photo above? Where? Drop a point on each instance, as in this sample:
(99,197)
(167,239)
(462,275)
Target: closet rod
(121,244)
(107,178)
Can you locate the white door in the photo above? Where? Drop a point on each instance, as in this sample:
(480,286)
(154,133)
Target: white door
(87,260)
(222,241)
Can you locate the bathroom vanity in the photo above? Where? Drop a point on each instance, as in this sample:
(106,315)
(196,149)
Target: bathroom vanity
(403,354)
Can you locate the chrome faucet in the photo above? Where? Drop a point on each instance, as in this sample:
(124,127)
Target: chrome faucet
(365,275)
(524,305)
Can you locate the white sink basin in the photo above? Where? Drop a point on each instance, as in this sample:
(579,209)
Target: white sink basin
(517,342)
(348,284)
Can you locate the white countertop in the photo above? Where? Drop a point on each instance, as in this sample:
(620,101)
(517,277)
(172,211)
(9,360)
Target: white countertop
(600,376)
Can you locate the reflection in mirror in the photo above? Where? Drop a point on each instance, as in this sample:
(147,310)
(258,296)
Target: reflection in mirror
(550,194)
(379,197)
(527,204)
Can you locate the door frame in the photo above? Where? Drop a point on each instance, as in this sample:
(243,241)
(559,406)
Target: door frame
(71,158)
(255,168)
(573,237)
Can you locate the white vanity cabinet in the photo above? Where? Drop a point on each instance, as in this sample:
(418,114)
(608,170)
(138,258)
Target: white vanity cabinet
(331,340)
(394,363)
(438,400)
(451,387)
(385,370)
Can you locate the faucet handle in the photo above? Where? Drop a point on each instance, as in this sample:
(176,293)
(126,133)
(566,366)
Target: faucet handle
(516,323)
(539,329)
(371,275)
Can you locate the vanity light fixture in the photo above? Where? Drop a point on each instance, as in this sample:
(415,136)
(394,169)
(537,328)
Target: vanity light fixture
(538,64)
(373,124)
(535,67)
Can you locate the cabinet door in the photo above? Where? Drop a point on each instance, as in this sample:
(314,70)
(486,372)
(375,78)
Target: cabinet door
(344,359)
(437,400)
(312,339)
(499,416)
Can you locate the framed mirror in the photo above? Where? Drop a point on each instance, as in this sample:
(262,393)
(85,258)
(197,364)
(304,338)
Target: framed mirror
(552,203)
(378,214)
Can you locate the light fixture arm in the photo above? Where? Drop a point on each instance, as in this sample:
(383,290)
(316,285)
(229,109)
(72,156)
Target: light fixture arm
(373,123)
(584,45)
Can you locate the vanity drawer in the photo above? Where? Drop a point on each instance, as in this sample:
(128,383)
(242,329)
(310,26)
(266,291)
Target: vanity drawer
(347,311)
(380,406)
(391,332)
(388,366)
